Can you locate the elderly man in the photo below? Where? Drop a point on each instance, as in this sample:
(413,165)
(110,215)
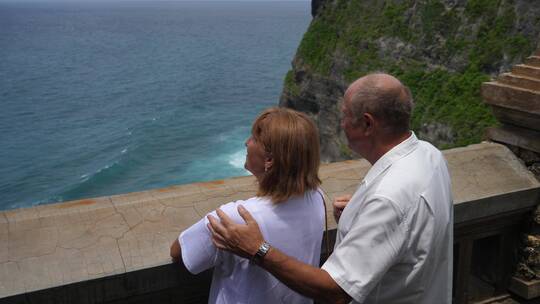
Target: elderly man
(394,237)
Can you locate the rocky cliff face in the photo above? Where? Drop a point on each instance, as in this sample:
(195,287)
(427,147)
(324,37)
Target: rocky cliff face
(442,49)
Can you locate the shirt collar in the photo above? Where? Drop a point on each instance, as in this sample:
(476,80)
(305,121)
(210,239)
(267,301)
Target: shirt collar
(396,153)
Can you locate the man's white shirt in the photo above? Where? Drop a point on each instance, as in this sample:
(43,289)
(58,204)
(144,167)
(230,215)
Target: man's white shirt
(394,238)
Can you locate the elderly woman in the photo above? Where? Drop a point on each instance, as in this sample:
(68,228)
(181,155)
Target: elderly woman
(283,155)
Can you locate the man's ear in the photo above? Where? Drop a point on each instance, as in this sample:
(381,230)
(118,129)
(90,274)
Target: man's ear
(369,123)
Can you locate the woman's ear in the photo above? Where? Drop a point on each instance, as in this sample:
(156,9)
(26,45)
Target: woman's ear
(268,162)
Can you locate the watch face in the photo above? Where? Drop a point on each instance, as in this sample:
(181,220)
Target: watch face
(259,255)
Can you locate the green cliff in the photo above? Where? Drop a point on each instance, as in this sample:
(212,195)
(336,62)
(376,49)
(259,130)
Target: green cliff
(442,49)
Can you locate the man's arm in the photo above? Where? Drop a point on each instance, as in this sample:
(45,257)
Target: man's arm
(245,240)
(305,279)
(176,252)
(339,203)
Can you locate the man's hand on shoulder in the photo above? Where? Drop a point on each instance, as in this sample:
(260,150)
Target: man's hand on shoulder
(241,239)
(339,204)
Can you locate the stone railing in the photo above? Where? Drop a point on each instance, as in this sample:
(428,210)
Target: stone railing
(116,249)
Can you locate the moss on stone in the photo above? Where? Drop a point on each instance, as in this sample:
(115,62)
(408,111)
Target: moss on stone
(449,98)
(290,84)
(393,22)
(477,8)
(317,45)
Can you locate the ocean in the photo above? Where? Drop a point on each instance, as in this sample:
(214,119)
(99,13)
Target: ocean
(101,98)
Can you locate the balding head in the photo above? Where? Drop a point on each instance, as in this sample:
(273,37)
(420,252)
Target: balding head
(384,97)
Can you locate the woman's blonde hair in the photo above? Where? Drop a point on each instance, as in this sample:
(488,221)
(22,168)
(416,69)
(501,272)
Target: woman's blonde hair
(292,141)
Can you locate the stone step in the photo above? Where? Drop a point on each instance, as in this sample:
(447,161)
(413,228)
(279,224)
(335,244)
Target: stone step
(533,61)
(537,53)
(516,117)
(526,70)
(514,97)
(519,81)
(513,105)
(515,136)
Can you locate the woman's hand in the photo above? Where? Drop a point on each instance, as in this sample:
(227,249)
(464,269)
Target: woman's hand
(340,202)
(241,239)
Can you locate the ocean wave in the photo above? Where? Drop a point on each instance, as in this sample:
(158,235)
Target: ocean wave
(97,183)
(237,159)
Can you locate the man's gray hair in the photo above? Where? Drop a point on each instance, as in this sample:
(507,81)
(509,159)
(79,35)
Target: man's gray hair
(392,105)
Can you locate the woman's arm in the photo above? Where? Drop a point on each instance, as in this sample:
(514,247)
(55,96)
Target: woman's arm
(194,247)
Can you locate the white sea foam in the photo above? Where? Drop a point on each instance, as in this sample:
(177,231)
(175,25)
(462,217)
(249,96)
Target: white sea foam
(237,159)
(223,137)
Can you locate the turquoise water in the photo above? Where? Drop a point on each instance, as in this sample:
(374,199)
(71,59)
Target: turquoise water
(106,98)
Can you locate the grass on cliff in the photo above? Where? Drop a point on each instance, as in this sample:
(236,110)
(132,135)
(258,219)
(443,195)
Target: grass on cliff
(479,35)
(291,84)
(451,99)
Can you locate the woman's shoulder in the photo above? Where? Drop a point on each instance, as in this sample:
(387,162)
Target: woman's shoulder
(313,196)
(253,204)
(248,203)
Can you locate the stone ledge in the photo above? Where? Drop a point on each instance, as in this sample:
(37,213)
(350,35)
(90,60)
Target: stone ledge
(525,289)
(93,240)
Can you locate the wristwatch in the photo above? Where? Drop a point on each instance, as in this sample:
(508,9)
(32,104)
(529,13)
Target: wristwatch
(259,255)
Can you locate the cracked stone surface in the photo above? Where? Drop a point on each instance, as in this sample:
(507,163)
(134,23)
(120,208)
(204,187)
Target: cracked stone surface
(58,244)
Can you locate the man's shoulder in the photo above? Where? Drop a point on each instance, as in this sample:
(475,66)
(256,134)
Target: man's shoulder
(426,148)
(407,177)
(422,161)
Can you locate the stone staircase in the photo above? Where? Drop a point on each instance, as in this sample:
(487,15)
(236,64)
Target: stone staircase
(515,100)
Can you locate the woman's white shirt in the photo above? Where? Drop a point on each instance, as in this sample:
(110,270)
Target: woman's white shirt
(295,227)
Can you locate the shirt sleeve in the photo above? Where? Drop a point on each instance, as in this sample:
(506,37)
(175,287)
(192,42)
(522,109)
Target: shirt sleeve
(368,249)
(197,249)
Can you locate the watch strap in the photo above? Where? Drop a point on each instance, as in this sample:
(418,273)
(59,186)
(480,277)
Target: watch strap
(261,252)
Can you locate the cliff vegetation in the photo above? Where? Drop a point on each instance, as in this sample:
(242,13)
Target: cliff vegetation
(442,49)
